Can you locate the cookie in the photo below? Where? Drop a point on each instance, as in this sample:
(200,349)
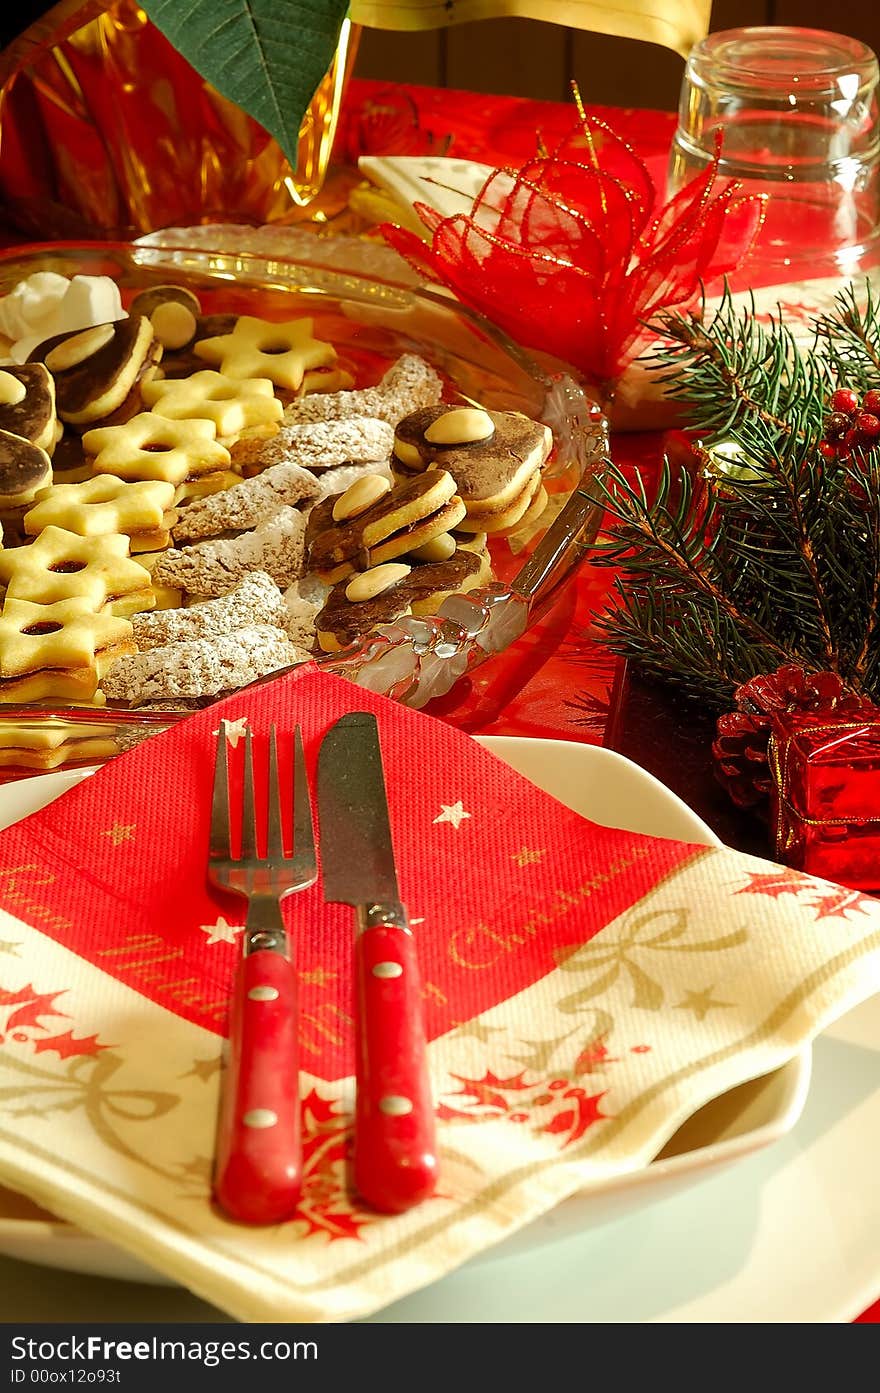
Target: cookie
(25,469)
(57,650)
(510,516)
(95,369)
(173,312)
(408,384)
(147,301)
(405,518)
(495,457)
(149,447)
(61,565)
(191,490)
(70,464)
(358,605)
(27,404)
(303,601)
(319,447)
(232,405)
(246,505)
(255,600)
(283,352)
(201,667)
(164,596)
(45,747)
(213,568)
(182,362)
(141,511)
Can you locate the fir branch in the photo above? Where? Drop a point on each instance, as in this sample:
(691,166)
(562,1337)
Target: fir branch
(668,549)
(850,338)
(732,372)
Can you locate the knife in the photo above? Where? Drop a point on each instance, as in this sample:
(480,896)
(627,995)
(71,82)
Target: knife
(395,1157)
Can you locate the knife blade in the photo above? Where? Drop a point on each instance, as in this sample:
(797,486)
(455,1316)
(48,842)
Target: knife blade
(395,1157)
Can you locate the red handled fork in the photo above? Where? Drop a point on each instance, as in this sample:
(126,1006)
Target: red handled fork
(258,1166)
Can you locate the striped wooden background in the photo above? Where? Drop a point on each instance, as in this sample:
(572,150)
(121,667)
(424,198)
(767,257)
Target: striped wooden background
(532,59)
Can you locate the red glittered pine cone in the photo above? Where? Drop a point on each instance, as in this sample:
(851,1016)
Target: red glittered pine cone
(571,259)
(739,750)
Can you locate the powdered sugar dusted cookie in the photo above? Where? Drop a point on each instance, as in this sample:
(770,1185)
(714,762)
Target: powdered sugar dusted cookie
(302,602)
(203,667)
(408,384)
(246,504)
(318,446)
(214,568)
(257,600)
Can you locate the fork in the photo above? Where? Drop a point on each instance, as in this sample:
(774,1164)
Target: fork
(258,1166)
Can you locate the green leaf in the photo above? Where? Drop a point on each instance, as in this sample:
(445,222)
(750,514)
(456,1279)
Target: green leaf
(267,56)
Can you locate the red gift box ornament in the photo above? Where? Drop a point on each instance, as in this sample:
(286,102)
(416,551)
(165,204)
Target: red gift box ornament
(568,255)
(826,795)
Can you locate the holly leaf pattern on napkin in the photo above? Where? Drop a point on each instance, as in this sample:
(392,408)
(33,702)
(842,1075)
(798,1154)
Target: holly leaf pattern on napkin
(267,56)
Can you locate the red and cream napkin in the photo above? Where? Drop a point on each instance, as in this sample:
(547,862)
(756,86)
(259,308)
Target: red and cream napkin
(585,991)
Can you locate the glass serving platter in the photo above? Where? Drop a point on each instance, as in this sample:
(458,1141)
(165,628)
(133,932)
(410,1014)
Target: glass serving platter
(371,321)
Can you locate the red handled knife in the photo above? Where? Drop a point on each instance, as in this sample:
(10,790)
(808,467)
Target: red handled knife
(395,1154)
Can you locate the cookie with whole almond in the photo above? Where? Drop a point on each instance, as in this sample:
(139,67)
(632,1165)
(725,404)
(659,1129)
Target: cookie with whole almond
(360,603)
(347,534)
(183,361)
(95,370)
(495,458)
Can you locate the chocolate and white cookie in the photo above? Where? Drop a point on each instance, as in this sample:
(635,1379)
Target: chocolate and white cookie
(27,404)
(495,458)
(98,371)
(387,592)
(24,470)
(362,528)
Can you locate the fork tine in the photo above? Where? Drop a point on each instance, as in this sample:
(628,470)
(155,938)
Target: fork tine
(248,816)
(220,839)
(303,829)
(275,831)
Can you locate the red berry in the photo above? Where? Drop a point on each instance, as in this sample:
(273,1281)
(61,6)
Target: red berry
(846,400)
(871,402)
(828,451)
(838,423)
(867,425)
(851,438)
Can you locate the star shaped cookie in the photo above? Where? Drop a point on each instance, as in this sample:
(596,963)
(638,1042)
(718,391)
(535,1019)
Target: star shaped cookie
(282,352)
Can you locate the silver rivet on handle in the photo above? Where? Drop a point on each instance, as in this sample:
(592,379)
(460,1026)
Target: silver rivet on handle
(259,1118)
(393,1105)
(263,994)
(387,970)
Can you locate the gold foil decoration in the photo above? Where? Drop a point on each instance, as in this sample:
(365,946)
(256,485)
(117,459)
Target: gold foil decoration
(105,131)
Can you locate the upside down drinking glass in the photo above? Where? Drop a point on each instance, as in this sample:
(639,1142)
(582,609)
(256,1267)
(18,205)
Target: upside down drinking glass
(798,113)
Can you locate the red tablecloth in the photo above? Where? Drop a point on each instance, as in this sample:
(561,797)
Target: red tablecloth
(564,686)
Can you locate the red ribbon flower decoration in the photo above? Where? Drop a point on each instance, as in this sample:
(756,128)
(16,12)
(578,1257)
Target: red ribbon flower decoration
(570,258)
